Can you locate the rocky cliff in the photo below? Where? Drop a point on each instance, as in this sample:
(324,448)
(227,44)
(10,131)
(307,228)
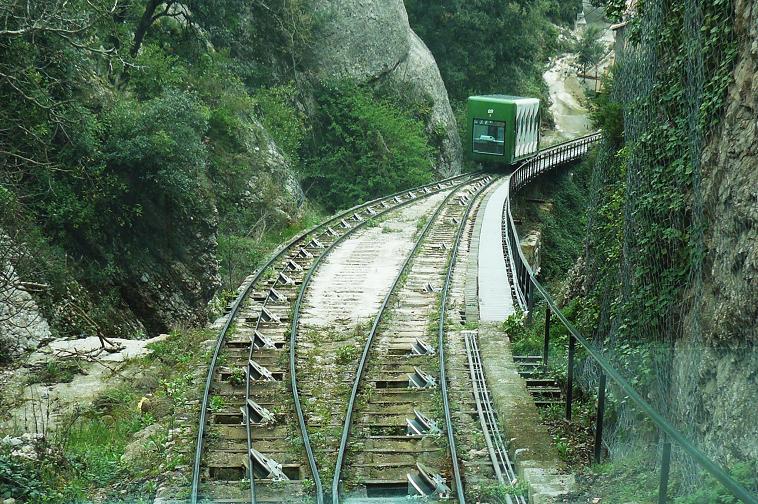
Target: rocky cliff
(370,41)
(717,362)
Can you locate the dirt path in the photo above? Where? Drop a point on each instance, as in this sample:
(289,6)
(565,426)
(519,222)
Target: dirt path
(568,93)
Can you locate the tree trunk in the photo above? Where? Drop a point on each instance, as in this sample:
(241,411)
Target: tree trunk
(144,23)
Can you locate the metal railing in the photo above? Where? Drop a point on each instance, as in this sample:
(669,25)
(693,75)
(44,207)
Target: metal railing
(528,284)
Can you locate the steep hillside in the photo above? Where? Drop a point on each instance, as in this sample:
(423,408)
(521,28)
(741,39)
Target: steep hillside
(154,152)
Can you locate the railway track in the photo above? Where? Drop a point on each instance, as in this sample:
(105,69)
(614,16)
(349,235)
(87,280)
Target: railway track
(268,429)
(252,442)
(397,438)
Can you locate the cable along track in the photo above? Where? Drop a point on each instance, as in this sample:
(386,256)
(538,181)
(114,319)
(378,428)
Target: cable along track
(401,441)
(496,445)
(250,417)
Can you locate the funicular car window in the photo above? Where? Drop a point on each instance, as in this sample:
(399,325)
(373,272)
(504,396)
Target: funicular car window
(489,137)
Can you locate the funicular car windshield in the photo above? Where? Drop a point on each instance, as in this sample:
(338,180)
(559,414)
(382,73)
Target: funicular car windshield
(489,137)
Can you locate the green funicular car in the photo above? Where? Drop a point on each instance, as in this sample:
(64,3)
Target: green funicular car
(502,129)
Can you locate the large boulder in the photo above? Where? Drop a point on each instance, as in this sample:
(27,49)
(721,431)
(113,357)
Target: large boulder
(359,39)
(419,70)
(370,41)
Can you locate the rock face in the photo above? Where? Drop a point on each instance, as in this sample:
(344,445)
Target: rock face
(371,41)
(174,286)
(184,275)
(419,70)
(720,379)
(360,39)
(22,326)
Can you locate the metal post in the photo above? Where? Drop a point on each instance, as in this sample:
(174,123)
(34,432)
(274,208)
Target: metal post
(665,465)
(599,420)
(547,336)
(570,376)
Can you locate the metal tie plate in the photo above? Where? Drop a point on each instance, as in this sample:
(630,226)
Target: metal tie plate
(422,425)
(425,483)
(314,243)
(293,266)
(421,380)
(265,467)
(267,316)
(277,296)
(304,254)
(421,348)
(256,372)
(261,342)
(257,414)
(285,280)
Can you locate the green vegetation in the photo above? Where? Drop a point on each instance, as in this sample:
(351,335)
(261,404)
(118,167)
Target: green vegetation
(490,46)
(589,50)
(498,494)
(84,453)
(644,227)
(346,354)
(365,144)
(54,371)
(556,205)
(128,126)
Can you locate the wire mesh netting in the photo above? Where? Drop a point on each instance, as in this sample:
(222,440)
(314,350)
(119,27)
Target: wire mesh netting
(670,80)
(669,265)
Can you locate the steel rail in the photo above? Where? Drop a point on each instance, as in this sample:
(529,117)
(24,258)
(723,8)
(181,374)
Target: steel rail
(295,322)
(372,333)
(495,444)
(531,170)
(441,350)
(242,295)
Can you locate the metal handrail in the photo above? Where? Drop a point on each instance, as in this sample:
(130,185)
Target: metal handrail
(526,278)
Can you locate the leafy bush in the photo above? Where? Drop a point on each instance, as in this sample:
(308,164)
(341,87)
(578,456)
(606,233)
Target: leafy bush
(363,147)
(346,354)
(280,115)
(713,492)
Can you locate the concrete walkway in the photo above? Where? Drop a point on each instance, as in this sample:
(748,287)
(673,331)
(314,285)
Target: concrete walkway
(495,301)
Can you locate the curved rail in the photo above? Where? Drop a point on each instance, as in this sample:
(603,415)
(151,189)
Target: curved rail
(293,338)
(547,160)
(441,350)
(242,295)
(369,342)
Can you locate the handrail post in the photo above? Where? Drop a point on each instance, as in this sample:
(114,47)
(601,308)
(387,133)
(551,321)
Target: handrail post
(570,376)
(546,345)
(665,466)
(599,419)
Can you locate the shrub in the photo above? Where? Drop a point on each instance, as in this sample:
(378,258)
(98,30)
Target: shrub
(364,146)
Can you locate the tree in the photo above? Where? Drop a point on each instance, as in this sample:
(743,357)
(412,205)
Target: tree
(590,50)
(489,46)
(614,9)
